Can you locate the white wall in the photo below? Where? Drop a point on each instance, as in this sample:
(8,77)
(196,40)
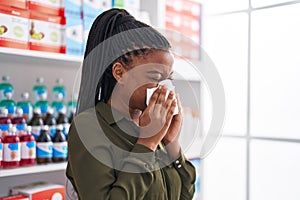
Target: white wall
(255,45)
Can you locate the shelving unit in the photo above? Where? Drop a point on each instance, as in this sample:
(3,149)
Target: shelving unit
(33,169)
(24,66)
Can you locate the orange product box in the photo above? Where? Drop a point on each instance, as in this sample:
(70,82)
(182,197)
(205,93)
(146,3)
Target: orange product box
(13,27)
(182,21)
(41,190)
(15,3)
(15,197)
(187,25)
(47,33)
(51,7)
(186,7)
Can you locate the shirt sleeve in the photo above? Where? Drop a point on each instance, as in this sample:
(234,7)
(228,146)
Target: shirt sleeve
(187,174)
(95,180)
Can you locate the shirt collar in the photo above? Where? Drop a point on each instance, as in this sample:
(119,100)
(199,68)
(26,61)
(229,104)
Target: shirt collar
(109,114)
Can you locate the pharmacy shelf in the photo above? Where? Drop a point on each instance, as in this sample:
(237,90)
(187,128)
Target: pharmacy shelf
(37,57)
(33,169)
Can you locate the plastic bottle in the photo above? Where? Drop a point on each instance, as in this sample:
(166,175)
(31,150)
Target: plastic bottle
(19,122)
(72,116)
(51,122)
(44,147)
(28,148)
(64,121)
(36,123)
(72,105)
(1,152)
(9,104)
(26,106)
(5,122)
(58,105)
(38,90)
(60,145)
(11,149)
(5,87)
(58,89)
(43,104)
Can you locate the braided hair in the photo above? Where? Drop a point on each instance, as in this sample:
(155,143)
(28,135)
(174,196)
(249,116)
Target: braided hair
(115,36)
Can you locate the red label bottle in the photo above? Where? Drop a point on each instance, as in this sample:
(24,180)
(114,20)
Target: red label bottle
(28,148)
(1,152)
(19,121)
(11,149)
(5,122)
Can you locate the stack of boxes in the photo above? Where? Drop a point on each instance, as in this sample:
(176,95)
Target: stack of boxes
(14,24)
(33,24)
(91,9)
(59,26)
(74,27)
(183,16)
(132,6)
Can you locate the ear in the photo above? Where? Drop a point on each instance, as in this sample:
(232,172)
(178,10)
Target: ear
(118,71)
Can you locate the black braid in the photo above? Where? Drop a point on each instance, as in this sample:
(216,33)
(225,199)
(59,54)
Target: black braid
(110,23)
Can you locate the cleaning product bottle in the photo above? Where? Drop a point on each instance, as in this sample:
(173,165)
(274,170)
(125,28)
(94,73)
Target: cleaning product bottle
(60,145)
(51,122)
(72,105)
(19,122)
(26,106)
(28,148)
(9,104)
(5,87)
(11,149)
(59,88)
(36,123)
(58,104)
(43,104)
(1,152)
(64,121)
(38,90)
(72,116)
(44,147)
(5,122)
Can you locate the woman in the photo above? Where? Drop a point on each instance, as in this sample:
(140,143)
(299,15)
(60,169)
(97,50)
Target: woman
(119,147)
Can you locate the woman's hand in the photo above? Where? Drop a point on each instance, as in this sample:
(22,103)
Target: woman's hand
(156,119)
(172,135)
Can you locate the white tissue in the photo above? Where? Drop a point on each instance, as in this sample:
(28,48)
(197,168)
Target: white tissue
(170,87)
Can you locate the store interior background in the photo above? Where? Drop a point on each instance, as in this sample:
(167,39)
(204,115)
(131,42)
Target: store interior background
(255,45)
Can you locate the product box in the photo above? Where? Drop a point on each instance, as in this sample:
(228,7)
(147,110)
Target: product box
(41,190)
(87,24)
(73,8)
(186,24)
(134,4)
(15,197)
(13,27)
(74,36)
(92,8)
(47,33)
(15,3)
(185,7)
(51,7)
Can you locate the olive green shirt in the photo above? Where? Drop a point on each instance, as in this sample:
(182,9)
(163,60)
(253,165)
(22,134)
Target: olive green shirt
(106,163)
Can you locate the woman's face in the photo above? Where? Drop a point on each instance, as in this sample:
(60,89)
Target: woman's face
(145,72)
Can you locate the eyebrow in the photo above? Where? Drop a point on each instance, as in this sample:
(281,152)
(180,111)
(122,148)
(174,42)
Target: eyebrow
(158,72)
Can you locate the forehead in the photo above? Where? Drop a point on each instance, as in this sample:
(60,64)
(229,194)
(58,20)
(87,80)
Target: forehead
(156,60)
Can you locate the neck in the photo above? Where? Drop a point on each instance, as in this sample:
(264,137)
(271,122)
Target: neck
(129,112)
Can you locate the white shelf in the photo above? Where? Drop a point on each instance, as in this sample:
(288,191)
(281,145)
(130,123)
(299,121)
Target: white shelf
(33,169)
(19,56)
(40,54)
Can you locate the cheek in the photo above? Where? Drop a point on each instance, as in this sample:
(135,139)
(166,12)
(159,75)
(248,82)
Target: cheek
(138,97)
